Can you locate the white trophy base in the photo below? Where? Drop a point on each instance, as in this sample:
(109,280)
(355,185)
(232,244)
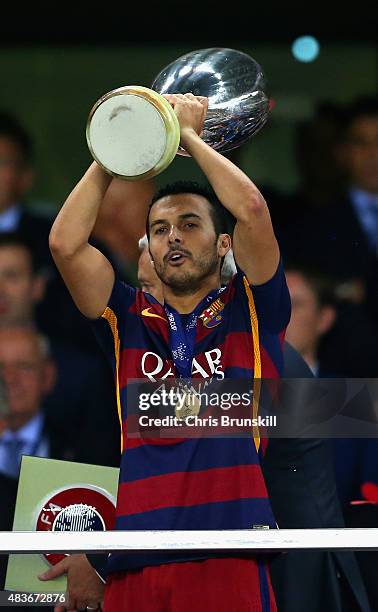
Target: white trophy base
(133,133)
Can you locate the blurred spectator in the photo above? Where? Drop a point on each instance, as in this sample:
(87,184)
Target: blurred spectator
(312,314)
(336,337)
(147,277)
(21,287)
(359,157)
(29,375)
(16,180)
(79,419)
(301,484)
(355,460)
(57,316)
(353,227)
(342,238)
(83,392)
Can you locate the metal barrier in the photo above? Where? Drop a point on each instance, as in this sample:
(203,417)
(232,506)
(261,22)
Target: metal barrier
(254,540)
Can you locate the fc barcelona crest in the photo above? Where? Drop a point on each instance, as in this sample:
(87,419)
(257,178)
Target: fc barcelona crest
(211,316)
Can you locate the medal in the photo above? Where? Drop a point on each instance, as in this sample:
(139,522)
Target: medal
(189,404)
(182,340)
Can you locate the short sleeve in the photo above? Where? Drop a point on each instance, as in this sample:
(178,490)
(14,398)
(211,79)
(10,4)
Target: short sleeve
(272,301)
(111,326)
(121,298)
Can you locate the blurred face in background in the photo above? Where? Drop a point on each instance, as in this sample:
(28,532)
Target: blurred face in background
(360,153)
(20,288)
(147,277)
(27,374)
(309,319)
(16,177)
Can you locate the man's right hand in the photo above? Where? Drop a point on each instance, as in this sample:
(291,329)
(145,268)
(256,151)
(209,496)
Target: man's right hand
(84,587)
(190,111)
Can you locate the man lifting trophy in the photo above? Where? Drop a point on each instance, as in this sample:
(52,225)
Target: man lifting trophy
(205,103)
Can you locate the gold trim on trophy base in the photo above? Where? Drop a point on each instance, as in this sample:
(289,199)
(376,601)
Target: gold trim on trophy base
(166,113)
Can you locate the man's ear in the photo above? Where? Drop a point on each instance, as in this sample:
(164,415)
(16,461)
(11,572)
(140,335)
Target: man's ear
(224,244)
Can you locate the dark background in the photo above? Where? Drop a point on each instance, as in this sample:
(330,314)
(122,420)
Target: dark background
(170,21)
(56,62)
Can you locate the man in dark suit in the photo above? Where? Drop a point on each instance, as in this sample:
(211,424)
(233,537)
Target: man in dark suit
(56,314)
(356,242)
(28,375)
(16,180)
(341,238)
(354,459)
(83,390)
(301,484)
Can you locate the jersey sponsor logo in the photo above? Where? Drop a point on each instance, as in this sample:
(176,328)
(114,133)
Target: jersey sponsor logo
(210,316)
(146,313)
(155,368)
(75,508)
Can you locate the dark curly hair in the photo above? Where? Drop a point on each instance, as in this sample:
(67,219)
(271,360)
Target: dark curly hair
(223,221)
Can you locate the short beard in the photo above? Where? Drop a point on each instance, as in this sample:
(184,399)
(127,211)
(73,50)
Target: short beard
(190,282)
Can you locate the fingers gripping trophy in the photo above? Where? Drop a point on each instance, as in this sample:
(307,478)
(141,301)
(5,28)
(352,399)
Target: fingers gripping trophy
(133,132)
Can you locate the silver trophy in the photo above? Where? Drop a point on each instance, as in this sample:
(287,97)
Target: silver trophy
(133,132)
(234,84)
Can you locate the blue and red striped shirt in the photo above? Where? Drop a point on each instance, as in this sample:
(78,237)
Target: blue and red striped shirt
(197,483)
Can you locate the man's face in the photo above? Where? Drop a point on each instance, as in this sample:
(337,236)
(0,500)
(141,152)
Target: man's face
(15,176)
(361,153)
(19,288)
(304,330)
(26,374)
(147,277)
(183,243)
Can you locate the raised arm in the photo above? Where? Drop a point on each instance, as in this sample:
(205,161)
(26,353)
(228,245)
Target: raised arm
(87,273)
(254,243)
